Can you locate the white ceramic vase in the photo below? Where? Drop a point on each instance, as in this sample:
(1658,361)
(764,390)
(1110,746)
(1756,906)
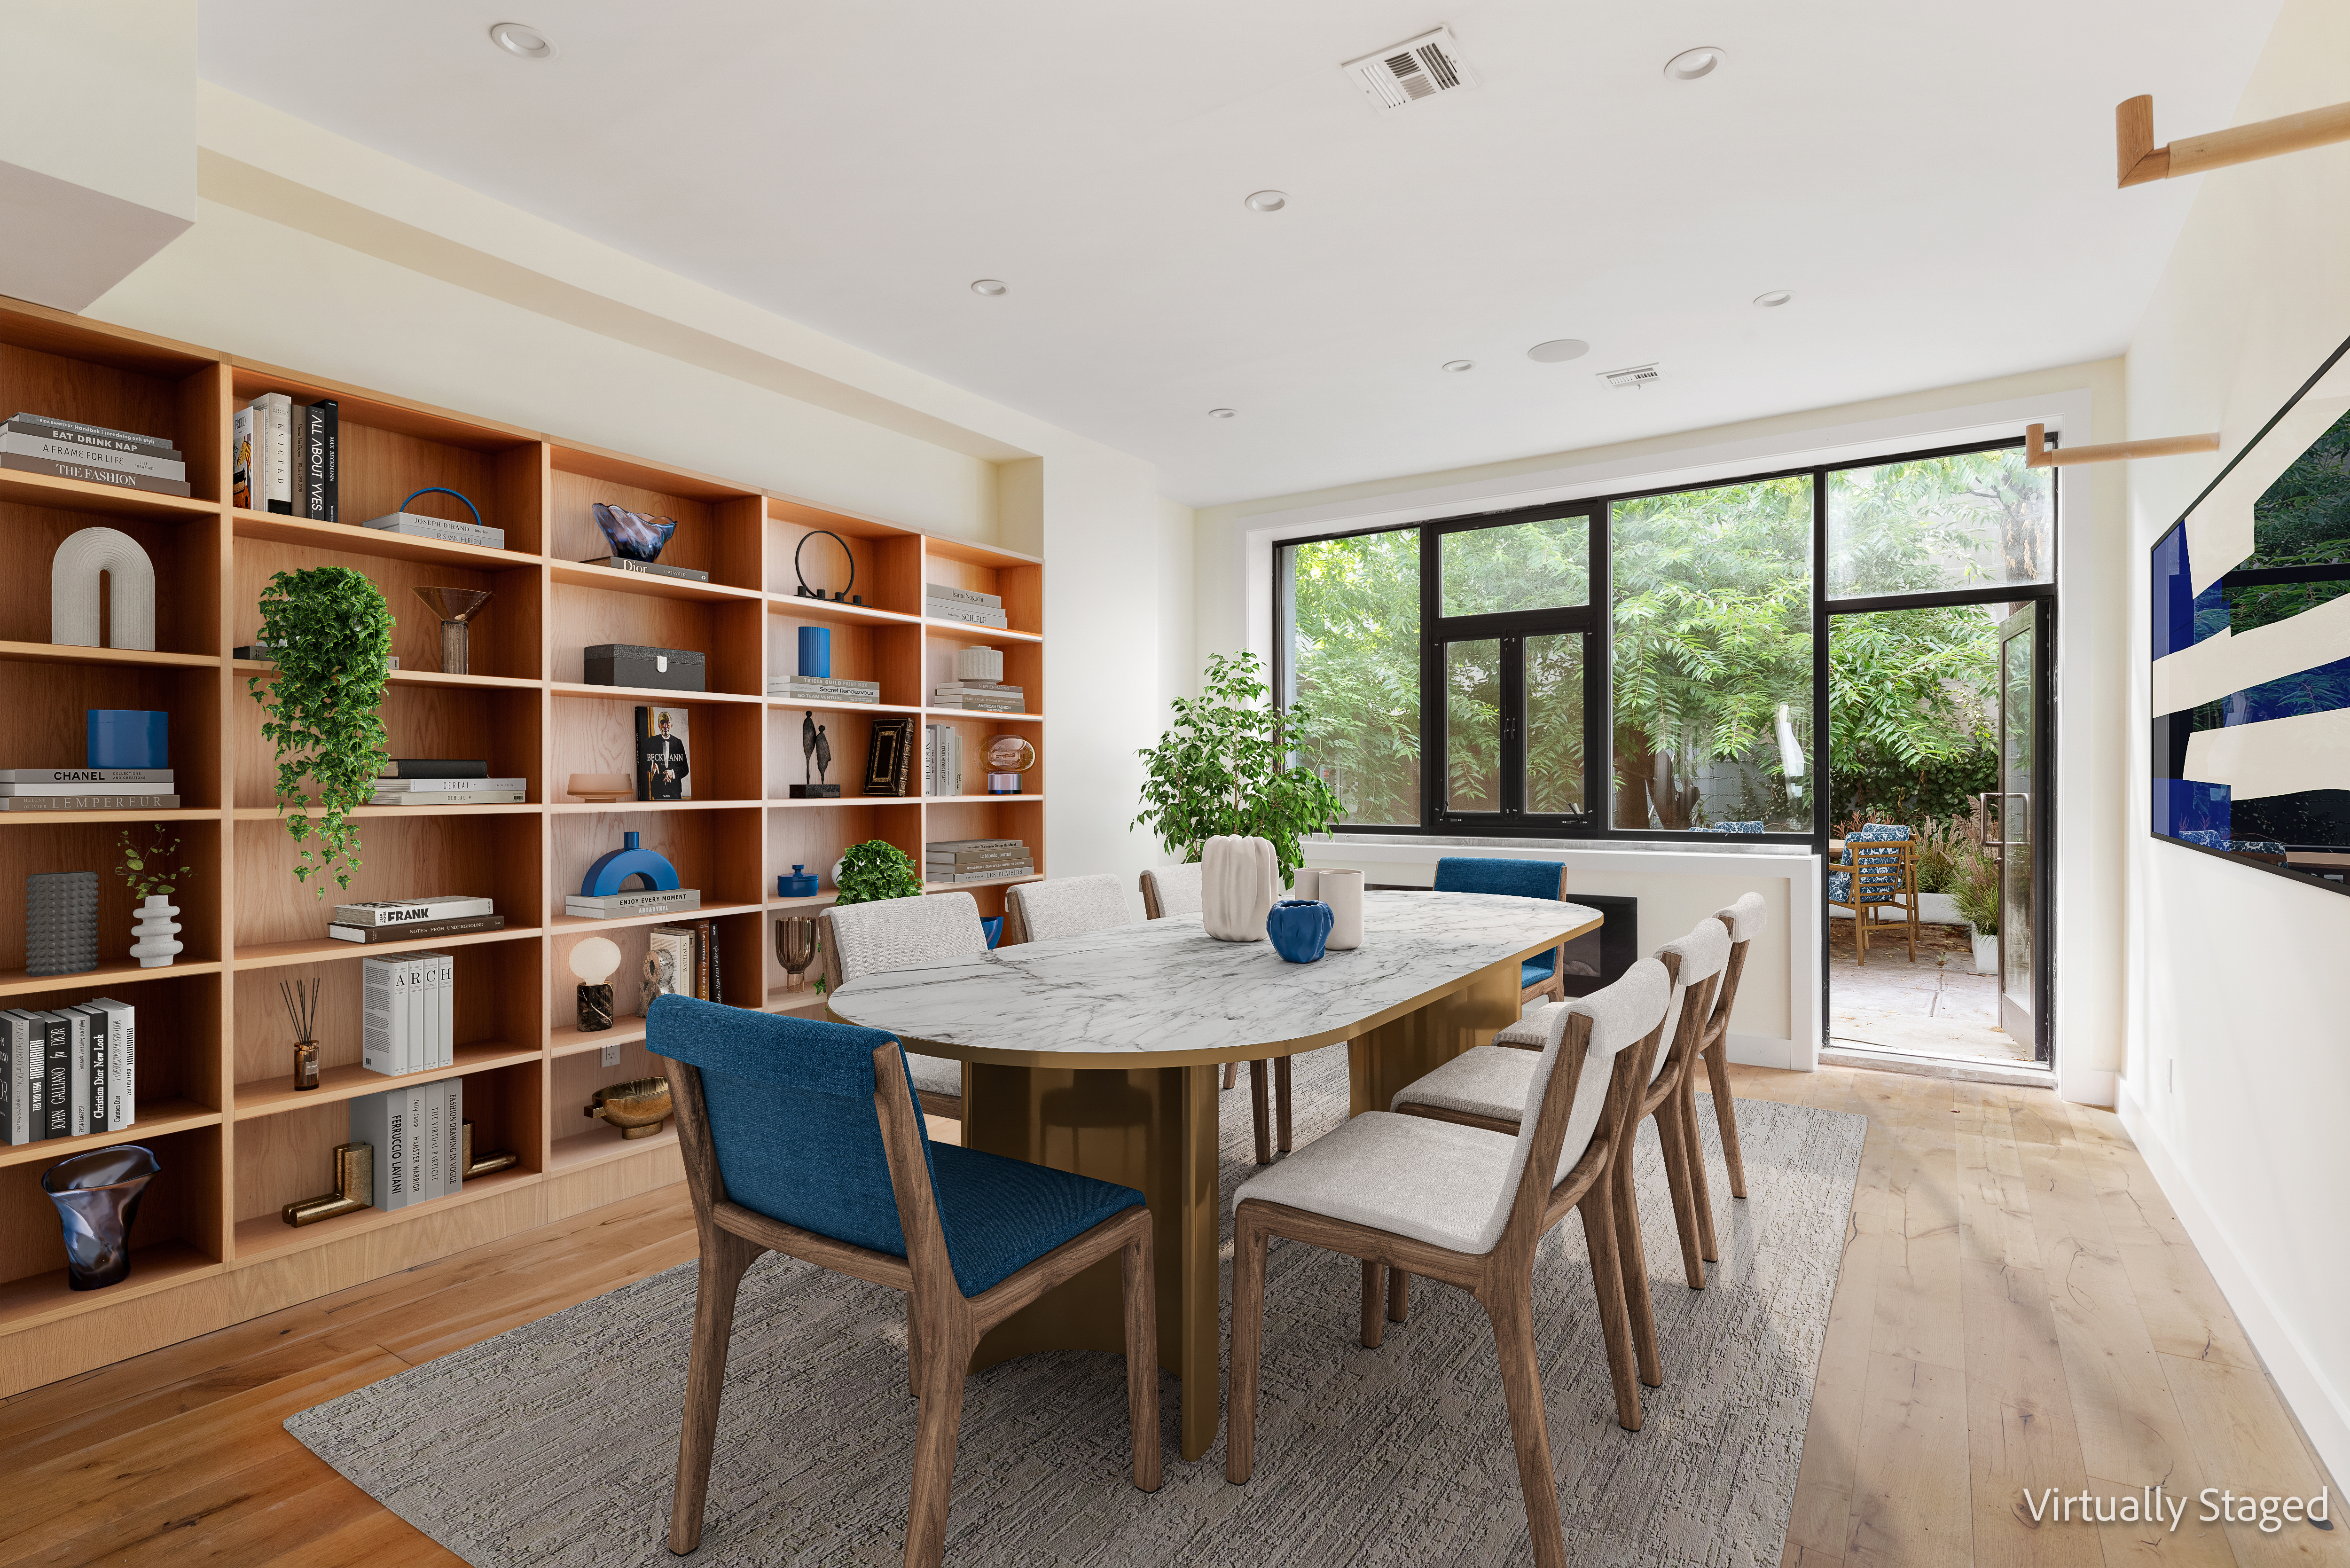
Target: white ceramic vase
(1343,891)
(1240,878)
(157,933)
(1986,951)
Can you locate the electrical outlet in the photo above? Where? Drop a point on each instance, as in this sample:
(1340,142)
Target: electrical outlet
(611,1057)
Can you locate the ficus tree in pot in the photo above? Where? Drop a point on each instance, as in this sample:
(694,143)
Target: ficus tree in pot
(1228,765)
(329,631)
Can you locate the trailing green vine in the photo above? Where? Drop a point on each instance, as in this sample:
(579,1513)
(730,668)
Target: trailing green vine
(329,631)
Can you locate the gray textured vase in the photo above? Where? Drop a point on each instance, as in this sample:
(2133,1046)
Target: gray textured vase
(61,922)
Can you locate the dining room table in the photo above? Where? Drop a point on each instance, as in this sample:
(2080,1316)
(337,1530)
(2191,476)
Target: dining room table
(1100,1053)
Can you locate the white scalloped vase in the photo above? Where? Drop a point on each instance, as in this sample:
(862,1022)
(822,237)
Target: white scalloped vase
(157,933)
(1239,880)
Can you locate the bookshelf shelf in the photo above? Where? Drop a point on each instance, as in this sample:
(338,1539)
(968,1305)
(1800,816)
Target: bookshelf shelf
(236,1139)
(975,886)
(273,1096)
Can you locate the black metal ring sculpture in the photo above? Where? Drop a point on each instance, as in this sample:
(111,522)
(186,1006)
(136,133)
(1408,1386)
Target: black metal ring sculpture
(806,592)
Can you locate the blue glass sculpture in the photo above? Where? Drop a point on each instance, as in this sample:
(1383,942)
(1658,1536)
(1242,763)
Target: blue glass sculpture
(633,535)
(612,871)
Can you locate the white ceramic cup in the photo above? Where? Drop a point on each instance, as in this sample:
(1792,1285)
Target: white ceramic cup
(1343,891)
(1305,883)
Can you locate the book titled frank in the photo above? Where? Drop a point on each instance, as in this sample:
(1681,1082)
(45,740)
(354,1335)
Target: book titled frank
(413,911)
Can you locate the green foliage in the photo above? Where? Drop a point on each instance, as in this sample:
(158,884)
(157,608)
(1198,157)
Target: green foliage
(1226,766)
(2301,520)
(330,633)
(1910,712)
(1354,655)
(1974,888)
(148,869)
(877,869)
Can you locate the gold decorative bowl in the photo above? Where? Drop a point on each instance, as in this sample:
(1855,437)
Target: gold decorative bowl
(638,1109)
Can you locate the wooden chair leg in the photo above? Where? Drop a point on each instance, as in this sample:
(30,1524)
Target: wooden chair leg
(913,1350)
(1513,1314)
(1231,1074)
(1632,1263)
(1248,1340)
(1374,1291)
(1257,1110)
(1281,1102)
(724,1256)
(1399,1294)
(1677,1182)
(1700,1184)
(945,1365)
(1137,1280)
(1725,1115)
(1598,1210)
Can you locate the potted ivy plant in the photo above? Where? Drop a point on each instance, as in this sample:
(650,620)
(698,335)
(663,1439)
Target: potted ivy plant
(874,870)
(329,632)
(147,869)
(1228,766)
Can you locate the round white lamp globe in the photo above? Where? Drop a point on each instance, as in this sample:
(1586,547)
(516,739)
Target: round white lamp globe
(594,960)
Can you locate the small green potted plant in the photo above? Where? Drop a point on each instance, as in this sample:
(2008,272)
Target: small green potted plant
(329,633)
(147,870)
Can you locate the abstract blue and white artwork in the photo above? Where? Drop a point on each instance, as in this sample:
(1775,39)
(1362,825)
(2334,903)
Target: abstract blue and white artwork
(2251,648)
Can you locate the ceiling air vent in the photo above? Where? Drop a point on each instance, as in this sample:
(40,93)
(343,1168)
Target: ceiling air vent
(1632,380)
(1413,72)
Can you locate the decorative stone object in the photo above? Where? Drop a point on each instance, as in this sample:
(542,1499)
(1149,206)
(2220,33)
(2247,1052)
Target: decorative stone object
(156,931)
(1238,881)
(1298,930)
(61,922)
(96,1194)
(73,589)
(1343,891)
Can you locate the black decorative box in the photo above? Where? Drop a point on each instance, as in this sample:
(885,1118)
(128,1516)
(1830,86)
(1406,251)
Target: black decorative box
(662,669)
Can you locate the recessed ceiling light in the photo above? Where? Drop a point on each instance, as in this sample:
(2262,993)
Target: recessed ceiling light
(1558,350)
(1691,64)
(521,40)
(1267,200)
(1457,366)
(1221,413)
(1775,298)
(990,286)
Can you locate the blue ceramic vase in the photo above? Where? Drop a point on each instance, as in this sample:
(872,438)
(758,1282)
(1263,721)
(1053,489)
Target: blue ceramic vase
(1298,928)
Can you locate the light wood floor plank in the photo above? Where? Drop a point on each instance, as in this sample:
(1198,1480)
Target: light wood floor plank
(2249,1445)
(1910,1505)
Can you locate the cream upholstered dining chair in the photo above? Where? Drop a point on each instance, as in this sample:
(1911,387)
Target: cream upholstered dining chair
(1468,1206)
(801,1137)
(1743,920)
(1175,891)
(859,940)
(1062,906)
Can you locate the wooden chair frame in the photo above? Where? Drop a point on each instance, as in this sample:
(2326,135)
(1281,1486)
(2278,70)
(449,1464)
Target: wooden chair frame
(1502,1280)
(947,1105)
(942,1324)
(1260,1101)
(1713,1050)
(1902,853)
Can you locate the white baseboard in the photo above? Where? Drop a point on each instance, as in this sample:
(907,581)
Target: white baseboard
(2324,1414)
(1761,1051)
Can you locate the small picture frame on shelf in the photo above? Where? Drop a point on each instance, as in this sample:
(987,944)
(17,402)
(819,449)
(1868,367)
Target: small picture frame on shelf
(890,756)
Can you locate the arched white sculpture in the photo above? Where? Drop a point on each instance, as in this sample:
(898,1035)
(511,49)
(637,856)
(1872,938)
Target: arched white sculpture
(73,589)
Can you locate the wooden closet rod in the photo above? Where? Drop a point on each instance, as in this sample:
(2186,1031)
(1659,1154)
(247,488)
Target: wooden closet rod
(2037,453)
(2140,161)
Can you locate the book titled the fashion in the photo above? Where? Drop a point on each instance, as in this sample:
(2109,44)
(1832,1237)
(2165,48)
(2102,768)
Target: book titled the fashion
(90,803)
(435,768)
(79,452)
(92,473)
(421,930)
(409,911)
(964,595)
(96,435)
(618,906)
(646,568)
(85,777)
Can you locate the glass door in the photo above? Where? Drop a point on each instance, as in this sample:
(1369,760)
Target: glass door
(2021,817)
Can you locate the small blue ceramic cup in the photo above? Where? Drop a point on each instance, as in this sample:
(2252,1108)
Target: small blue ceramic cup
(1299,928)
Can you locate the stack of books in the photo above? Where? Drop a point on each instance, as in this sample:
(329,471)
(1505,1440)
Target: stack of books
(418,1136)
(981,697)
(942,759)
(87,789)
(266,653)
(448,531)
(683,961)
(639,901)
(649,568)
(823,690)
(413,920)
(446,780)
(124,459)
(70,1072)
(284,457)
(409,1007)
(968,606)
(977,859)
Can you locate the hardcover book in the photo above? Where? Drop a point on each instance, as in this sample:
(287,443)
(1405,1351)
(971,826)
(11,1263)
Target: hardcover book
(93,475)
(90,803)
(436,768)
(94,456)
(964,595)
(617,906)
(19,1074)
(663,769)
(85,776)
(648,568)
(121,1062)
(41,790)
(443,528)
(446,787)
(450,798)
(421,930)
(888,754)
(669,964)
(408,911)
(70,430)
(316,434)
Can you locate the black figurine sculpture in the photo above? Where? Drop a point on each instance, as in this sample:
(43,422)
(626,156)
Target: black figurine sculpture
(816,749)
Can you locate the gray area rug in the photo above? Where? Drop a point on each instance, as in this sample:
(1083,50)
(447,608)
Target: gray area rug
(556,1443)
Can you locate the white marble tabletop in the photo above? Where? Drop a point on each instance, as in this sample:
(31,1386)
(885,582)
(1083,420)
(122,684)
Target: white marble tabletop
(1167,988)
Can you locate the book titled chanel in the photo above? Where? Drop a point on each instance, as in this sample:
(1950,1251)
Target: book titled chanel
(411,911)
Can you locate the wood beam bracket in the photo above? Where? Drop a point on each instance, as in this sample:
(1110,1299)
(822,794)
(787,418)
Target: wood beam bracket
(2038,453)
(2139,161)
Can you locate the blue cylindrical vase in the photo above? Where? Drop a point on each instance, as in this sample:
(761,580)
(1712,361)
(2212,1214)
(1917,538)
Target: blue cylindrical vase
(128,738)
(815,651)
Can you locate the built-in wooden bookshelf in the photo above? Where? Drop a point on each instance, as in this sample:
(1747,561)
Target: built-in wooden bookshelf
(215,1096)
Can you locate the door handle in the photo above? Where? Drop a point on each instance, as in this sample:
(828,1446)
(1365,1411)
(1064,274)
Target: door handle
(2002,841)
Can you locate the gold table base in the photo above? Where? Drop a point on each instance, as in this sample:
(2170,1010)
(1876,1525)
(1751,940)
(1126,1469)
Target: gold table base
(1155,1129)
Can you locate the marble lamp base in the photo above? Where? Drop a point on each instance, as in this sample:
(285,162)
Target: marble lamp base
(595,1007)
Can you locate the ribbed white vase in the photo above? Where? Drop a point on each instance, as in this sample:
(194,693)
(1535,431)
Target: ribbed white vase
(157,933)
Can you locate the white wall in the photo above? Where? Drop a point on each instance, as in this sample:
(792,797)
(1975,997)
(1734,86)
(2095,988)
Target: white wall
(2082,401)
(317,254)
(2238,1049)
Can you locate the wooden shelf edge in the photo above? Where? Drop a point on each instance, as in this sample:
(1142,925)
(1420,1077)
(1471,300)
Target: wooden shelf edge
(601,1145)
(983,713)
(267,1236)
(277,529)
(797,706)
(612,579)
(48,491)
(981,799)
(792,605)
(45,1298)
(413,677)
(273,955)
(787,804)
(586,807)
(275,1095)
(570,1040)
(475,808)
(160,1119)
(966,630)
(68,818)
(646,694)
(17,982)
(565,925)
(74,654)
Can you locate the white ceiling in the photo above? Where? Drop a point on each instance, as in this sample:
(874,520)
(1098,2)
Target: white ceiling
(1935,182)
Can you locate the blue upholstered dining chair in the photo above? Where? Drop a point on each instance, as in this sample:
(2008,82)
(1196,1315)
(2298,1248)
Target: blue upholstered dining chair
(1879,871)
(804,1138)
(1542,976)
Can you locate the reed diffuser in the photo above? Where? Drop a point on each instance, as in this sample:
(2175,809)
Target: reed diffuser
(301,999)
